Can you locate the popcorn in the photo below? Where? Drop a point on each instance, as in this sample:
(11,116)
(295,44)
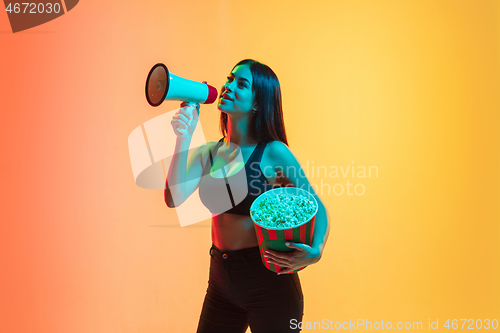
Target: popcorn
(283,211)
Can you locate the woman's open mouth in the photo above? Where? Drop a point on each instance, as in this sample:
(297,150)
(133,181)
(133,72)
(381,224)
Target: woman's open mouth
(226,97)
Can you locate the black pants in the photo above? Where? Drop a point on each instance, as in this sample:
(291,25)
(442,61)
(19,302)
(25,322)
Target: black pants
(242,291)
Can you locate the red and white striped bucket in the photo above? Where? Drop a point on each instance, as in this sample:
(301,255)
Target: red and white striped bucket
(275,238)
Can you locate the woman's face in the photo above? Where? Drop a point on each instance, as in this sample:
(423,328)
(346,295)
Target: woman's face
(237,93)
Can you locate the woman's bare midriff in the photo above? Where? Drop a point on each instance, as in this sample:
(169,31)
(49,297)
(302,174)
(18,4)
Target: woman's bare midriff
(233,232)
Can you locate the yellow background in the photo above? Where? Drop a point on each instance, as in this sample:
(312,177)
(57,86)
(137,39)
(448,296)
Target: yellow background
(411,87)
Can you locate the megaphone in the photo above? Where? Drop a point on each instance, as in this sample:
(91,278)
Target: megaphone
(162,85)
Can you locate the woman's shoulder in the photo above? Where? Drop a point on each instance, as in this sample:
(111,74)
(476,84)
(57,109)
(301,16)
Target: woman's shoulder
(275,150)
(204,150)
(280,160)
(280,153)
(277,147)
(209,146)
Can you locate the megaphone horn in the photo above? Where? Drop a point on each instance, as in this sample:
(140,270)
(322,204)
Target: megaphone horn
(162,85)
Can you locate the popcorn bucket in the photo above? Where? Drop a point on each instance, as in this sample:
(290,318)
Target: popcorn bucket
(274,238)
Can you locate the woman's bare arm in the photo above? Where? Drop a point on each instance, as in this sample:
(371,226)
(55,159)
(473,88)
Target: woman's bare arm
(183,178)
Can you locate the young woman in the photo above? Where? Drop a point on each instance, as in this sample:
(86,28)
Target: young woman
(241,290)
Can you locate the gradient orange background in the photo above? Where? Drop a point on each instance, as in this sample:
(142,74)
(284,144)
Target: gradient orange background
(411,87)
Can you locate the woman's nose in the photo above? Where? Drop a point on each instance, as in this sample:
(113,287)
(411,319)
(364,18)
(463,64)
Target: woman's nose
(228,86)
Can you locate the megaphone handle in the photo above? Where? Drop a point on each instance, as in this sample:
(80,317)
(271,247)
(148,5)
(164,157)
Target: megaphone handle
(190,115)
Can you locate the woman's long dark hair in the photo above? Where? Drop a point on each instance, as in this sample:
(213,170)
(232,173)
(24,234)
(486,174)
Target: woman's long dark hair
(268,124)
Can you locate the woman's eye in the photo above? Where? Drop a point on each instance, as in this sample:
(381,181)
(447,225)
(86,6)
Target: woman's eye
(241,85)
(229,78)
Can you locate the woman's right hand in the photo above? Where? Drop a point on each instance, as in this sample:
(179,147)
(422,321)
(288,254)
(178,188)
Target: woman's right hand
(185,119)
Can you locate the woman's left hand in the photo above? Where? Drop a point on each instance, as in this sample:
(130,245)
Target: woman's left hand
(303,255)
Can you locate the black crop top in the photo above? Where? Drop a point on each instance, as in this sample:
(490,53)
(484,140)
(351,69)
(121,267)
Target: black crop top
(234,194)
